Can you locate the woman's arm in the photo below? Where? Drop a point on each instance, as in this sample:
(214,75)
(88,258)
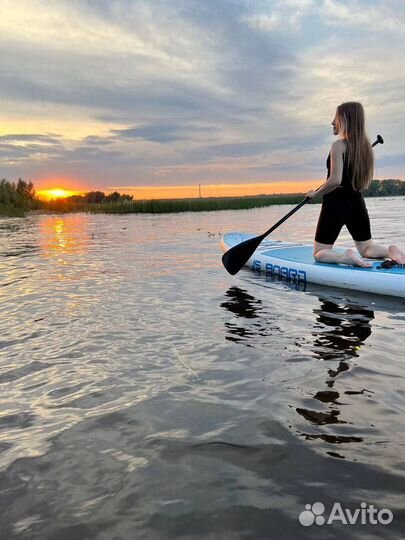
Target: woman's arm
(336,171)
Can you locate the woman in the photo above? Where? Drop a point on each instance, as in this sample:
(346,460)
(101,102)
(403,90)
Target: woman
(350,170)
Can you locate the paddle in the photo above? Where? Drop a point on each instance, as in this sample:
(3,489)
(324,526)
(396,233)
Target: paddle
(238,255)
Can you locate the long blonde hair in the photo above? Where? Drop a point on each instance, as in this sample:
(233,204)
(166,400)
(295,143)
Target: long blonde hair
(350,123)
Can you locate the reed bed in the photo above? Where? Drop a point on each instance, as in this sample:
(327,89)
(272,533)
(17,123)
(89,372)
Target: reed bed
(165,206)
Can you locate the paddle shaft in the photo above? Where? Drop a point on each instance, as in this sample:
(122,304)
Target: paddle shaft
(238,255)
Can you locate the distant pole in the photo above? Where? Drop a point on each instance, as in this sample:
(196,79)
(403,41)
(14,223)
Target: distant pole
(199,190)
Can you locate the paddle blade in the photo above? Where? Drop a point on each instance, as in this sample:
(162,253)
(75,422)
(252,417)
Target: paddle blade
(238,255)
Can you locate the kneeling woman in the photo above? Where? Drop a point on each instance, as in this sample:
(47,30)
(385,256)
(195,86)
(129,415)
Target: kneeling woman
(350,170)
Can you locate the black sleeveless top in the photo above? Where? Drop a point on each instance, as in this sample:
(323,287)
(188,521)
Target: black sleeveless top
(347,175)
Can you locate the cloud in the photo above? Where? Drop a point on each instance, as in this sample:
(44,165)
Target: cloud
(28,146)
(172,91)
(24,137)
(163,133)
(281,16)
(97,140)
(376,18)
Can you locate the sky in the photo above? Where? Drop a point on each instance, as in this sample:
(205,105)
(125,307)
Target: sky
(146,94)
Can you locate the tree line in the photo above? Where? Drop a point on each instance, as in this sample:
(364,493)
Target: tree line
(18,195)
(99,197)
(385,188)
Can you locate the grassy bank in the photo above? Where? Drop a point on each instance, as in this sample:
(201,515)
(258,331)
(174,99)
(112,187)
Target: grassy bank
(165,206)
(159,206)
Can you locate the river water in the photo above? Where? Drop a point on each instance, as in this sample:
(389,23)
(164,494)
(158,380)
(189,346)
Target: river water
(147,394)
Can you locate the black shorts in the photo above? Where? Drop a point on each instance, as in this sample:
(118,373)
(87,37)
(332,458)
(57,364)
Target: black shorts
(339,208)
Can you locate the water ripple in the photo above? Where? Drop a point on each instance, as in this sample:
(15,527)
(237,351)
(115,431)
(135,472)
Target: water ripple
(142,385)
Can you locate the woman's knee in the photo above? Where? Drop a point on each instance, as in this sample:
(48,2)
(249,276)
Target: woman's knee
(318,254)
(319,248)
(363,247)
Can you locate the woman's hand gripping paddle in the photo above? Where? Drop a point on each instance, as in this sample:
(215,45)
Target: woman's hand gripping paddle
(236,257)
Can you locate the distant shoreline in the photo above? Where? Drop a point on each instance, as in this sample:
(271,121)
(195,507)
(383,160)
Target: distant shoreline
(166,206)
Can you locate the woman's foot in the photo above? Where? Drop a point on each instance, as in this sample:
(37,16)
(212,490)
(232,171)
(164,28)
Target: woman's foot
(396,254)
(352,259)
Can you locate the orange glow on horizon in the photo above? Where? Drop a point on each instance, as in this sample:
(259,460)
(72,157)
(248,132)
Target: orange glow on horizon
(189,191)
(55,193)
(217,190)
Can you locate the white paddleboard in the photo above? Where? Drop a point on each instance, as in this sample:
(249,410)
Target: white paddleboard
(295,263)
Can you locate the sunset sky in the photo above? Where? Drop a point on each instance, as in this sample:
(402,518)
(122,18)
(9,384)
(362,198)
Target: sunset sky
(122,94)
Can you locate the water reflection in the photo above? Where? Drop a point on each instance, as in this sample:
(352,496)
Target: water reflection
(14,240)
(11,227)
(272,277)
(348,327)
(339,331)
(64,234)
(244,306)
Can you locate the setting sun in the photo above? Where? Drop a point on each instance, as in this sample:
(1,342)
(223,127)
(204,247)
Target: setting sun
(55,193)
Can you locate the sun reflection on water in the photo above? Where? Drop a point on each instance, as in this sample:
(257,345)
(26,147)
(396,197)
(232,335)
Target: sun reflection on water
(61,235)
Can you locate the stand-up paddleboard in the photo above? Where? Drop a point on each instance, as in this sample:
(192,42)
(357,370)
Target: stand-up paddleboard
(295,262)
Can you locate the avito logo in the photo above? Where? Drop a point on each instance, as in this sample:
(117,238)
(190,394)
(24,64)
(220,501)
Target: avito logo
(366,514)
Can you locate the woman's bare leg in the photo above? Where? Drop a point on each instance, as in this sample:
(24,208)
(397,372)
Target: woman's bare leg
(375,251)
(371,250)
(324,253)
(396,254)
